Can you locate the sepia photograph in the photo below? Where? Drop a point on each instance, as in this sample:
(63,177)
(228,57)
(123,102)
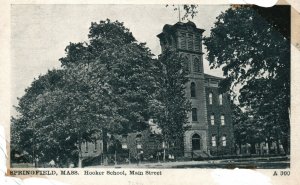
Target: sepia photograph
(150,86)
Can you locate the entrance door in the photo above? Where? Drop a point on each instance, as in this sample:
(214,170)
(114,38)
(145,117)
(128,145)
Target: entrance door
(195,142)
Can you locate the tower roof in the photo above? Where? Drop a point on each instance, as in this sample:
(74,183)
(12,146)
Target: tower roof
(180,25)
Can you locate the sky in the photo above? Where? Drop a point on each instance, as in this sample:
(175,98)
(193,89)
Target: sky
(40,33)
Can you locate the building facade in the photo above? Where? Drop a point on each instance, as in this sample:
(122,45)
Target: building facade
(210,126)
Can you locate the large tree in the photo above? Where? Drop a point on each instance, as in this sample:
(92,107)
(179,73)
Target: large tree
(105,85)
(254,53)
(171,105)
(58,112)
(129,65)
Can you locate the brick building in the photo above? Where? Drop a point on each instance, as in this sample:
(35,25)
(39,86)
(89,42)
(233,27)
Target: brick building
(210,130)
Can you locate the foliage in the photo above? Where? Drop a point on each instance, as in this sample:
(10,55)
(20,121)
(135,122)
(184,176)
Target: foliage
(129,66)
(105,83)
(253,54)
(172,106)
(190,10)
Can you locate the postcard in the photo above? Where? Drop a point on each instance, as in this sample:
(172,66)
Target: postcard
(149,93)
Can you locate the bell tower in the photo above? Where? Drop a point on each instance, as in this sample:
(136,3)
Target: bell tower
(186,39)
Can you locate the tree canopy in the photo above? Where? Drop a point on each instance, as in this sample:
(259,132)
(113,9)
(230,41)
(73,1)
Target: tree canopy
(255,53)
(171,104)
(108,84)
(105,83)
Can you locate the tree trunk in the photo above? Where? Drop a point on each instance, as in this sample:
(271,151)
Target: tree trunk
(252,148)
(269,146)
(79,161)
(79,154)
(79,151)
(240,148)
(285,145)
(277,147)
(104,140)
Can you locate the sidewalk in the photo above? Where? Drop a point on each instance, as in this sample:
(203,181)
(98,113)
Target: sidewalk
(227,163)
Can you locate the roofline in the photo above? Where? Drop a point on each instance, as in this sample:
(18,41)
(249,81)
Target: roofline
(168,27)
(212,77)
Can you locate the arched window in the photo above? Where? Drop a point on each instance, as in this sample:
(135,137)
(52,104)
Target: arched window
(193,89)
(212,119)
(194,114)
(182,40)
(224,140)
(190,42)
(210,98)
(197,42)
(222,120)
(196,142)
(213,140)
(196,65)
(187,64)
(220,99)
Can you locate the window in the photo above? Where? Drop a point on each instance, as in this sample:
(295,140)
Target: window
(190,41)
(212,119)
(193,90)
(220,99)
(194,114)
(196,142)
(196,65)
(222,120)
(182,40)
(210,98)
(224,140)
(213,140)
(197,42)
(187,64)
